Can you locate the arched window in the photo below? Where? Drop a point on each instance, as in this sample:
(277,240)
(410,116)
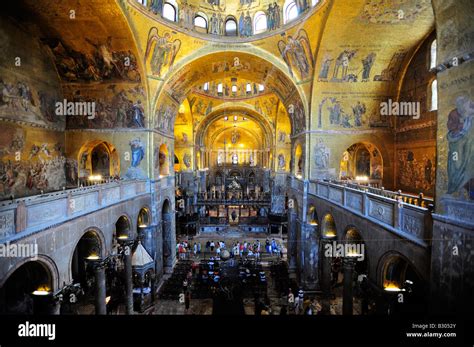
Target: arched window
(230,27)
(260,22)
(433,54)
(248,88)
(314,2)
(206,86)
(200,22)
(290,11)
(169,12)
(220,88)
(143,2)
(434,96)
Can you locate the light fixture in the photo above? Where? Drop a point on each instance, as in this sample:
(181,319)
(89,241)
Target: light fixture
(123,237)
(93,256)
(107,299)
(329,234)
(392,287)
(95,177)
(42,291)
(362,178)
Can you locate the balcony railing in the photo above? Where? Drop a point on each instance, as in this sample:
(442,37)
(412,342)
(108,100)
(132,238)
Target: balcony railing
(417,200)
(30,214)
(385,208)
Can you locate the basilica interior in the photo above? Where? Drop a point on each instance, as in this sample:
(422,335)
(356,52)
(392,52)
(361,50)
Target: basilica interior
(236,157)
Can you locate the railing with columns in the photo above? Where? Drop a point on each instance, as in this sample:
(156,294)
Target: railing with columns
(23,216)
(417,200)
(410,221)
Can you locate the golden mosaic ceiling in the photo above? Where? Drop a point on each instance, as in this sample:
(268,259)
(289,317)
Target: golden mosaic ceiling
(233,6)
(225,65)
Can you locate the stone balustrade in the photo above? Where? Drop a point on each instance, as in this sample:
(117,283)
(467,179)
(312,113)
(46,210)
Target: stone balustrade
(24,216)
(407,220)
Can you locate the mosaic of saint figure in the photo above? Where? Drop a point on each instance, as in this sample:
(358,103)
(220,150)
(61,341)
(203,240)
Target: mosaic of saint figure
(138,152)
(461,144)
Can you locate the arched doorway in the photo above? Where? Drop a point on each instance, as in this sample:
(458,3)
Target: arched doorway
(298,161)
(405,290)
(122,228)
(362,162)
(146,232)
(331,265)
(98,159)
(143,217)
(28,290)
(354,238)
(312,216)
(328,226)
(87,252)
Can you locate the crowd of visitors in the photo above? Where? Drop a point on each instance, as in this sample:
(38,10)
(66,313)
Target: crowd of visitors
(238,249)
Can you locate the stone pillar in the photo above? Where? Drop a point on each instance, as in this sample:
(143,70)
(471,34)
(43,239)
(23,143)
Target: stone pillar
(292,249)
(127,258)
(202,159)
(325,277)
(311,256)
(100,306)
(159,265)
(347,296)
(452,239)
(169,241)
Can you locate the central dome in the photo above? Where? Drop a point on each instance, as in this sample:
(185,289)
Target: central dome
(220,18)
(233,6)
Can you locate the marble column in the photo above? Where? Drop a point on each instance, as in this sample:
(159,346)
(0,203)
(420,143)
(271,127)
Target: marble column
(325,276)
(347,296)
(127,258)
(292,231)
(100,306)
(311,256)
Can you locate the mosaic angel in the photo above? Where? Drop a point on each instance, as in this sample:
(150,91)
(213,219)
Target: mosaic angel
(161,51)
(296,52)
